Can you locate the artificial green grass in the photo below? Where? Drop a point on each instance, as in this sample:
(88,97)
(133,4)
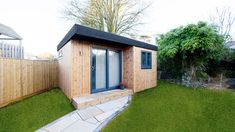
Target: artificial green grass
(30,114)
(175,108)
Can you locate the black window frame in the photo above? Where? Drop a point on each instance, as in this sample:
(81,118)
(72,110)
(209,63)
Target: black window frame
(145,64)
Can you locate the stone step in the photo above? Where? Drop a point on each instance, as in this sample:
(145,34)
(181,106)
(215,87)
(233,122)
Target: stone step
(98,98)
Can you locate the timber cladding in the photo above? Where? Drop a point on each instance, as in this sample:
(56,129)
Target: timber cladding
(80,68)
(144,78)
(22,78)
(74,68)
(134,77)
(128,67)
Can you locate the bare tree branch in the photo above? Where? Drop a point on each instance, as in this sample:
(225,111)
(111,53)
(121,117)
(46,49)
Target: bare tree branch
(116,16)
(224,20)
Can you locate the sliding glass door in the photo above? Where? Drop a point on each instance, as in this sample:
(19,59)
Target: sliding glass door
(105,69)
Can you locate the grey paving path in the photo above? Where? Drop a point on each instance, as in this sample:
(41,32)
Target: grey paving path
(88,119)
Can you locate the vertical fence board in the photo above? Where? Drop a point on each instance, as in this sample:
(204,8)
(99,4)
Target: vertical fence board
(1,80)
(22,78)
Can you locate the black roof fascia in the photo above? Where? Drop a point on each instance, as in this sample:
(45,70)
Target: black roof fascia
(85,33)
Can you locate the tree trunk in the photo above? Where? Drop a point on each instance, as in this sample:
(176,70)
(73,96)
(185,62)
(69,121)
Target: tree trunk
(221,80)
(192,73)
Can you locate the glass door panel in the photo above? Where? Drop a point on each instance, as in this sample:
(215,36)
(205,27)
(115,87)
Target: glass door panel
(98,69)
(114,68)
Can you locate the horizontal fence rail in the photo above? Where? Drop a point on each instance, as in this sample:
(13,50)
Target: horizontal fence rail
(22,78)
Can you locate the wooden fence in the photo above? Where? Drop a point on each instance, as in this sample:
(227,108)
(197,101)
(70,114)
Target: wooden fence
(23,78)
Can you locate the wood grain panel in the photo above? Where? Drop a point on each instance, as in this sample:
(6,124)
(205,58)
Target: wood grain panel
(21,78)
(144,78)
(128,67)
(80,68)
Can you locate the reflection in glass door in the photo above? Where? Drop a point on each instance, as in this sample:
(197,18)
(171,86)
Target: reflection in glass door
(114,68)
(98,69)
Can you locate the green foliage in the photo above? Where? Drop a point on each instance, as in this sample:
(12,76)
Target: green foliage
(229,54)
(191,46)
(170,66)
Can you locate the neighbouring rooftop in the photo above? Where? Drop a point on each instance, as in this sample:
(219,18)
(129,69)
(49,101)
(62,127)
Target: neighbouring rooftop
(8,33)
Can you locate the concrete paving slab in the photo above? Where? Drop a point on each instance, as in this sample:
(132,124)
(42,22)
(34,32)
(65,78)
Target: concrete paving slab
(89,112)
(63,123)
(88,119)
(92,120)
(80,126)
(123,99)
(105,115)
(110,105)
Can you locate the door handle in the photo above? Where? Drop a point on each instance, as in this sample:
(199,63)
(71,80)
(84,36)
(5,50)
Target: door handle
(92,68)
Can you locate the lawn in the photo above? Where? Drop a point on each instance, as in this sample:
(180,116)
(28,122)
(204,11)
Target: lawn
(30,114)
(174,108)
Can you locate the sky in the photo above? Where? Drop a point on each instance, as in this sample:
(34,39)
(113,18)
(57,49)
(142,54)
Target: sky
(40,22)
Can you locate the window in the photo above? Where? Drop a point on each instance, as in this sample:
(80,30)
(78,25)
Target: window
(146,60)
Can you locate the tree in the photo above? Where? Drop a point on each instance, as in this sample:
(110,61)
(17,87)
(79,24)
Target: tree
(190,48)
(224,19)
(115,16)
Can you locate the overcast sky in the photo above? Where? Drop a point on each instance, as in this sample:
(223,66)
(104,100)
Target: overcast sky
(40,24)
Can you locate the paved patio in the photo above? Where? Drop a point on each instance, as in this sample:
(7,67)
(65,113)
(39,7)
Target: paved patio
(88,119)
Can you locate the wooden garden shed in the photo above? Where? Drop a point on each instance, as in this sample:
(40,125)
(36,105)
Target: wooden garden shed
(92,62)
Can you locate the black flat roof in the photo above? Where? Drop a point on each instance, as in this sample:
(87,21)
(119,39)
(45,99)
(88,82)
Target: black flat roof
(85,33)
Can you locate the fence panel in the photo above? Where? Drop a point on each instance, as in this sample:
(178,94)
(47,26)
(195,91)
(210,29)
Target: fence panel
(22,78)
